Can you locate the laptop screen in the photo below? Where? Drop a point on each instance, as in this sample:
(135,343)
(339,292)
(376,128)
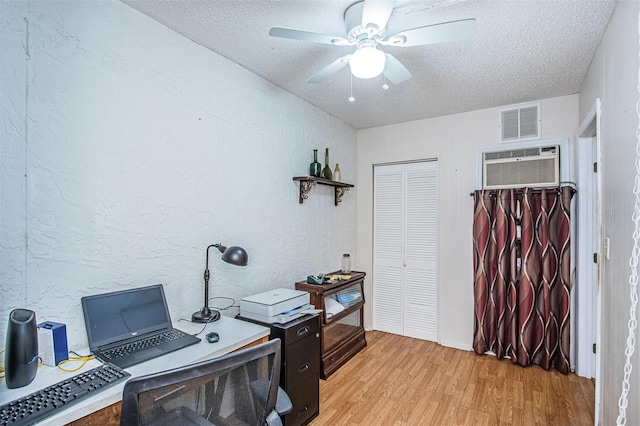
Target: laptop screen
(112,317)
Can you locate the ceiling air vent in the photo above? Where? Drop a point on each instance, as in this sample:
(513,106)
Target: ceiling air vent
(520,123)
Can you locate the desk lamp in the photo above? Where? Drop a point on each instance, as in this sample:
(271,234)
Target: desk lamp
(233,255)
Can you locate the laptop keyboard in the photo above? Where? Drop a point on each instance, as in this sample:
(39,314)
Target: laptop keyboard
(129,348)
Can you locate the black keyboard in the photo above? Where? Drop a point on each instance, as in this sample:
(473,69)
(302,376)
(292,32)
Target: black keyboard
(129,348)
(49,401)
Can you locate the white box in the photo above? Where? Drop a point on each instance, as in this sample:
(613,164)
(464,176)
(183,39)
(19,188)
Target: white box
(279,305)
(52,343)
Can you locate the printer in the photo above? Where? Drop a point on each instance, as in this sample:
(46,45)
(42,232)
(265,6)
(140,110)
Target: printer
(276,306)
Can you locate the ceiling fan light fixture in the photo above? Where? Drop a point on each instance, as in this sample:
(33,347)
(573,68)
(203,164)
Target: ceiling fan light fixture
(367,62)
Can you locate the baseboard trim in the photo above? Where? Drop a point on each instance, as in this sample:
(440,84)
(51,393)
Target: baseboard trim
(456,345)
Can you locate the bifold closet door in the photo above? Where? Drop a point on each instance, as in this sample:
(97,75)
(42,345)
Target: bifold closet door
(405,249)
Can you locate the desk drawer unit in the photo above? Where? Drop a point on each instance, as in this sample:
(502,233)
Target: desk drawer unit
(300,370)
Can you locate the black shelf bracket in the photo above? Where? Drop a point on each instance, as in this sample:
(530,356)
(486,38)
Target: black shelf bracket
(308,182)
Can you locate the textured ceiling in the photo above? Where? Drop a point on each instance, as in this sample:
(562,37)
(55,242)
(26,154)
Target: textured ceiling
(522,50)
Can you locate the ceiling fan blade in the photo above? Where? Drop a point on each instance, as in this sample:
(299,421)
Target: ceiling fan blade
(377,12)
(330,69)
(308,36)
(395,71)
(438,33)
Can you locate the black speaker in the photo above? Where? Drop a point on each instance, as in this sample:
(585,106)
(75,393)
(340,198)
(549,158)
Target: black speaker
(21,350)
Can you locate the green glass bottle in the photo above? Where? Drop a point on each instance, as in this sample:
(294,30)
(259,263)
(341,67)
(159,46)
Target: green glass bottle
(315,167)
(326,172)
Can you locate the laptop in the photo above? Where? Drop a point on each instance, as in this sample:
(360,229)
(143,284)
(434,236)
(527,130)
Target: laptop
(128,327)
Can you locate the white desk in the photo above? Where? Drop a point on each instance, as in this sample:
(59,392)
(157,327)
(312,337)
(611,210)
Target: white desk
(234,334)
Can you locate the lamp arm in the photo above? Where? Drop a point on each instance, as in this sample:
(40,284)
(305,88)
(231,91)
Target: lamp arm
(205,310)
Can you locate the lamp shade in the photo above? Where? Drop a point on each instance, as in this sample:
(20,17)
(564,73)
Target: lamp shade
(235,255)
(367,62)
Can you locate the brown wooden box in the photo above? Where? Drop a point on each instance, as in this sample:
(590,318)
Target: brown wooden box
(341,334)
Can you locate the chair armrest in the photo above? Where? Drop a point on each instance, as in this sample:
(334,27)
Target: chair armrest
(260,390)
(283,402)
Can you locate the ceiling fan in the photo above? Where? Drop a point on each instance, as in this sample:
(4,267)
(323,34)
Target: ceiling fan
(366,24)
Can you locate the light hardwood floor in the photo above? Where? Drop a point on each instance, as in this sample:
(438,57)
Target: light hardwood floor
(398,380)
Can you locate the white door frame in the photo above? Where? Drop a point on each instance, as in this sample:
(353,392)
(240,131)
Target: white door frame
(589,236)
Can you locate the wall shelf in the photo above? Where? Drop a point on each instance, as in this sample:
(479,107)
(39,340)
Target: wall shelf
(308,182)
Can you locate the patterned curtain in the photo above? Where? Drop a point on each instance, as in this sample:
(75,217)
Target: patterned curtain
(522,276)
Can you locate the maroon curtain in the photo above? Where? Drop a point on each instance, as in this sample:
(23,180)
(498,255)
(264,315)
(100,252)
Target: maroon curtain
(521,276)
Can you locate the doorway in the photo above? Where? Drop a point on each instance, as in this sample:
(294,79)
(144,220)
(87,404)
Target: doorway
(590,249)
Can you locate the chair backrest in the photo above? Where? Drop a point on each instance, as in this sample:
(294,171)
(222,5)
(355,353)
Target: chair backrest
(239,388)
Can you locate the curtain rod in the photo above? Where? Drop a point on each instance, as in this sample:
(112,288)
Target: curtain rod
(520,192)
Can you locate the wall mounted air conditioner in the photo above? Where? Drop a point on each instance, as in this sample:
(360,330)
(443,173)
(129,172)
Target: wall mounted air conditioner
(516,168)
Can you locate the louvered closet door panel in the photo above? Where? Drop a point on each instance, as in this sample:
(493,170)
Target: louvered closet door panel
(388,248)
(421,236)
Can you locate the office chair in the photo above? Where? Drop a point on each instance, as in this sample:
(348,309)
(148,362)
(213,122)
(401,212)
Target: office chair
(240,388)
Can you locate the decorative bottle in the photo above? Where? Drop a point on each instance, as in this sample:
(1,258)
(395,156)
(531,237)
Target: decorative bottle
(315,167)
(326,172)
(346,263)
(336,173)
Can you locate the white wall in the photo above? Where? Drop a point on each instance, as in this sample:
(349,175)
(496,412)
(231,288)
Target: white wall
(454,141)
(12,158)
(127,149)
(613,76)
